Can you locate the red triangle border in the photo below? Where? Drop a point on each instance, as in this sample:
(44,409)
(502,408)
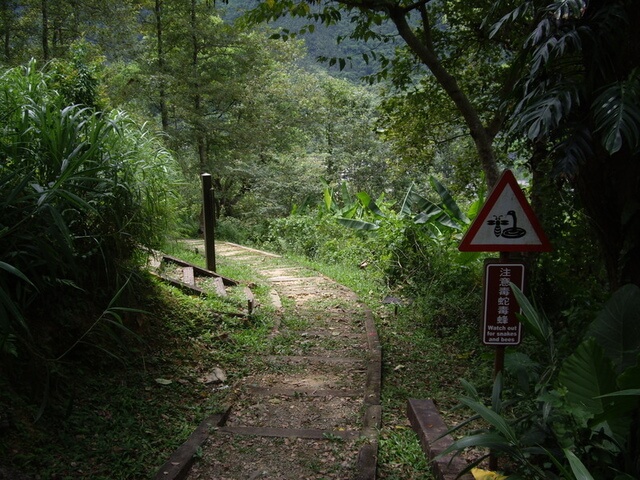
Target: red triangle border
(506,179)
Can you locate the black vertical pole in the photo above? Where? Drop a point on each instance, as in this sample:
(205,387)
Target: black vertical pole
(209,221)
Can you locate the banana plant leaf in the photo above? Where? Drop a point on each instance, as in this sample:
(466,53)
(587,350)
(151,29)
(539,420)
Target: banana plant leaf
(369,204)
(449,203)
(358,224)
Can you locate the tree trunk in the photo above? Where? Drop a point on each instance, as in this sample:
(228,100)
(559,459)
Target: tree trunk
(201,140)
(45,30)
(423,49)
(164,113)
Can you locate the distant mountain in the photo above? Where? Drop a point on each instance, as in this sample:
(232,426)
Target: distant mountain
(323,42)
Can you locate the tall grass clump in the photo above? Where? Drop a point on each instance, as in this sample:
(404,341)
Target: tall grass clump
(83,193)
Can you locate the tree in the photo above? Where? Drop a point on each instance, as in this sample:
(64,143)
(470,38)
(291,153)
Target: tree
(579,102)
(435,35)
(45,29)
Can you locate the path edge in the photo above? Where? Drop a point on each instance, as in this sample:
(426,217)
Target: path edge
(181,460)
(368,453)
(432,431)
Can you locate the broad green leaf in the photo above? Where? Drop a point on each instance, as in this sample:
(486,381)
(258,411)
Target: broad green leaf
(358,224)
(630,378)
(328,200)
(617,114)
(349,211)
(491,440)
(14,271)
(427,216)
(493,418)
(346,195)
(634,392)
(588,374)
(405,210)
(577,467)
(448,201)
(470,389)
(617,327)
(369,204)
(536,324)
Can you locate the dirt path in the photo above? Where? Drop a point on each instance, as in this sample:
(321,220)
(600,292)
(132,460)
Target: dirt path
(313,411)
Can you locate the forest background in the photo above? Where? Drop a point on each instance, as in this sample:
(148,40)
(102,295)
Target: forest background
(380,155)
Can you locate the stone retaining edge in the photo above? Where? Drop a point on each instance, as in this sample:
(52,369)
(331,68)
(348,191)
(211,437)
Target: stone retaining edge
(431,429)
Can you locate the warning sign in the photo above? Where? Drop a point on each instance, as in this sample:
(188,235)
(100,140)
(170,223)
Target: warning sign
(506,222)
(501,326)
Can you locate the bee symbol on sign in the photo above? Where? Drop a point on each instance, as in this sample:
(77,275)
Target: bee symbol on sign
(498,222)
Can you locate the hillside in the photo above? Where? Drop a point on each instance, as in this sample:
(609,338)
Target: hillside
(326,41)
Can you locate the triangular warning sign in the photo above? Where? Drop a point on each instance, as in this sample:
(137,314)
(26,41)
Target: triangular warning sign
(506,222)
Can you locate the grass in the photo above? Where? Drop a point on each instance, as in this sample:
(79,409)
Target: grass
(420,360)
(112,420)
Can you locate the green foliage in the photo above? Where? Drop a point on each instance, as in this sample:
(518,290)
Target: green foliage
(81,193)
(110,421)
(413,245)
(577,101)
(580,418)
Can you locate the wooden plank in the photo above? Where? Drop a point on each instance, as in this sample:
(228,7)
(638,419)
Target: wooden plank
(261,252)
(307,392)
(312,433)
(219,284)
(275,299)
(187,276)
(367,461)
(250,300)
(199,271)
(314,359)
(189,289)
(432,431)
(180,462)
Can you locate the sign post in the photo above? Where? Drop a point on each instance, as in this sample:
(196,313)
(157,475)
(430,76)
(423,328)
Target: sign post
(208,209)
(506,223)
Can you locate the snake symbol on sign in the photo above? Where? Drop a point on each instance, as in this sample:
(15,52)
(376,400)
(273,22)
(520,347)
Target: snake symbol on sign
(512,232)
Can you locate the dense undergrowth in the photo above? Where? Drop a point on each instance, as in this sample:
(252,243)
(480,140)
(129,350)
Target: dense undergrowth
(120,418)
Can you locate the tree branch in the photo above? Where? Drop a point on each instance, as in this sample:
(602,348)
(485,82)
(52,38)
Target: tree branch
(481,136)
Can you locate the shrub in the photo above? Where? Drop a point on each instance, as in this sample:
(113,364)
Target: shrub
(571,418)
(82,194)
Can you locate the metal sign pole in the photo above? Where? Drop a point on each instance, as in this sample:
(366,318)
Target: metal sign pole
(209,221)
